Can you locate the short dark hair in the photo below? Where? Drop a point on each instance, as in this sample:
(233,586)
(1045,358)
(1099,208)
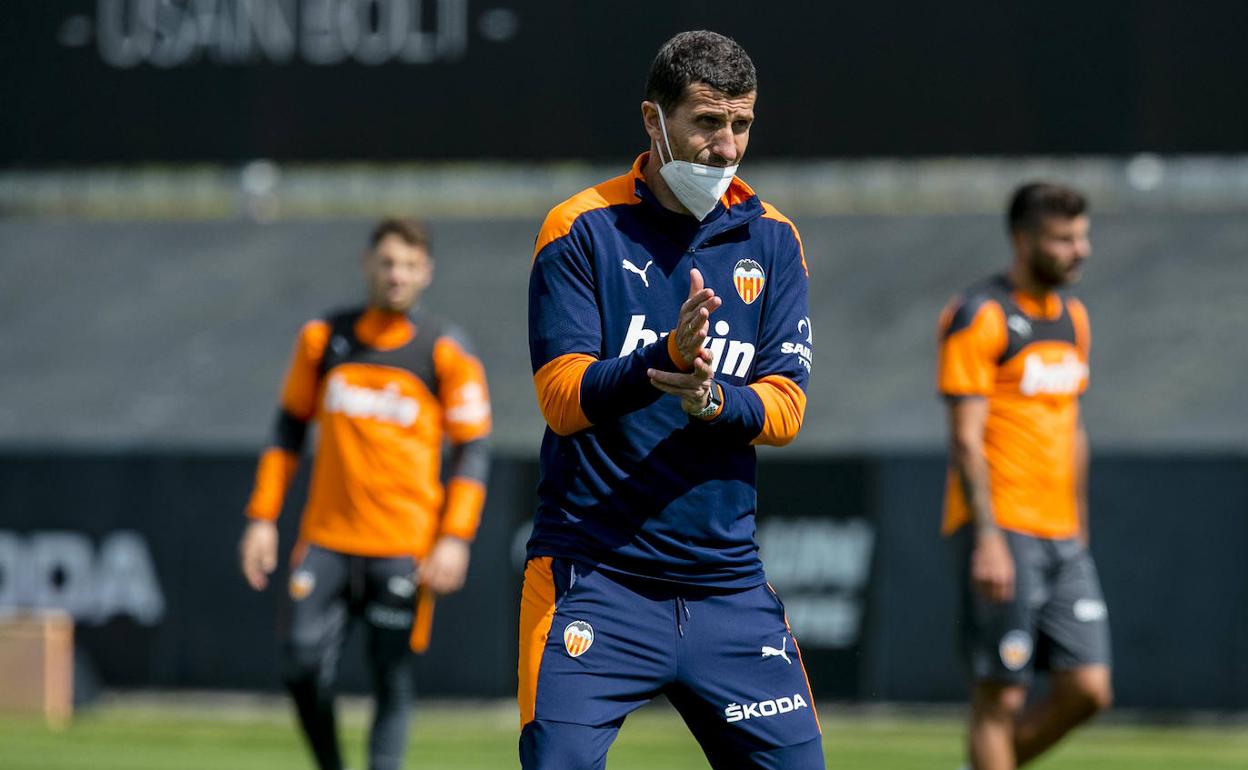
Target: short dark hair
(411,230)
(1033,201)
(700,56)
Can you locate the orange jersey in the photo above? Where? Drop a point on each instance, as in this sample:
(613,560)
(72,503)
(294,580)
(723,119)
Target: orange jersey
(1030,360)
(385,390)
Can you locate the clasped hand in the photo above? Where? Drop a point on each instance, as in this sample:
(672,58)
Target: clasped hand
(693,326)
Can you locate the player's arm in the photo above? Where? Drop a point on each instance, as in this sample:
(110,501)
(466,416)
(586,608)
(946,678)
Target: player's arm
(1082,458)
(770,408)
(992,566)
(466,414)
(967,417)
(280,460)
(972,337)
(576,385)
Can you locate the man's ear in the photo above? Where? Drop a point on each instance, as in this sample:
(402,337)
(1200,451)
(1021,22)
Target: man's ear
(650,121)
(1018,240)
(428,278)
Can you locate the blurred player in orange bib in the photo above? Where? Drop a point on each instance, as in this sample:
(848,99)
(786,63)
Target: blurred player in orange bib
(386,384)
(1013,362)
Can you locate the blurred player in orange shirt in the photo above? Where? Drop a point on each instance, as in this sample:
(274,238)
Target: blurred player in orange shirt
(1013,363)
(380,535)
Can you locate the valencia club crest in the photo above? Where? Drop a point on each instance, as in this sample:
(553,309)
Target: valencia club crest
(577,637)
(748,278)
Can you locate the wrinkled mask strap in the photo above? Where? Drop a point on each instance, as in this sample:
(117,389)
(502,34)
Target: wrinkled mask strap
(663,125)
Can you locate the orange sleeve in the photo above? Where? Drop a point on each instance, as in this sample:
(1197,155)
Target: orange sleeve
(277,465)
(462,390)
(302,376)
(784,406)
(273,476)
(673,353)
(558,385)
(971,340)
(462,512)
(466,418)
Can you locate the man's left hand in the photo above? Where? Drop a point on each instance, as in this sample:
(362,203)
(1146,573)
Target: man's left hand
(692,388)
(444,570)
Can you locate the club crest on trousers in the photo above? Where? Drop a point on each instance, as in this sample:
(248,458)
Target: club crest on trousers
(578,636)
(301,584)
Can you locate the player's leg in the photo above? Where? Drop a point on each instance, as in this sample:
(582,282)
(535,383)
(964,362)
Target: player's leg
(1074,696)
(990,735)
(741,684)
(548,745)
(315,620)
(389,610)
(998,642)
(591,651)
(1075,625)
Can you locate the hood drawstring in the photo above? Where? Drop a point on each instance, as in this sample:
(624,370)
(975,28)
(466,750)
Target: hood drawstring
(682,614)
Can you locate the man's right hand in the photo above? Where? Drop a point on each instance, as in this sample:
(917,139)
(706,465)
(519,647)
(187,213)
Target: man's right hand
(258,553)
(992,566)
(693,324)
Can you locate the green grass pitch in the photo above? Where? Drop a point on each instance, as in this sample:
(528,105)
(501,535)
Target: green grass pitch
(185,736)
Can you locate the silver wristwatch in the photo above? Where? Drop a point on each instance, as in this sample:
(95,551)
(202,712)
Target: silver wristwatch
(713,402)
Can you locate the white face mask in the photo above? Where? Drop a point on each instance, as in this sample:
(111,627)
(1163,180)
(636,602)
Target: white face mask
(699,187)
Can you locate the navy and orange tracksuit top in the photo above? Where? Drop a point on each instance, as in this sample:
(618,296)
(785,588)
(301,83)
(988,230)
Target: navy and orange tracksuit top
(629,482)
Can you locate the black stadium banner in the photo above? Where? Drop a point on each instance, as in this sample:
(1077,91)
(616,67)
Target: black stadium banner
(141,549)
(109,81)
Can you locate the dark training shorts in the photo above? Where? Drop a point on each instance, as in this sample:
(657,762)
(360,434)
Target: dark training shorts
(1056,621)
(327,589)
(725,660)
